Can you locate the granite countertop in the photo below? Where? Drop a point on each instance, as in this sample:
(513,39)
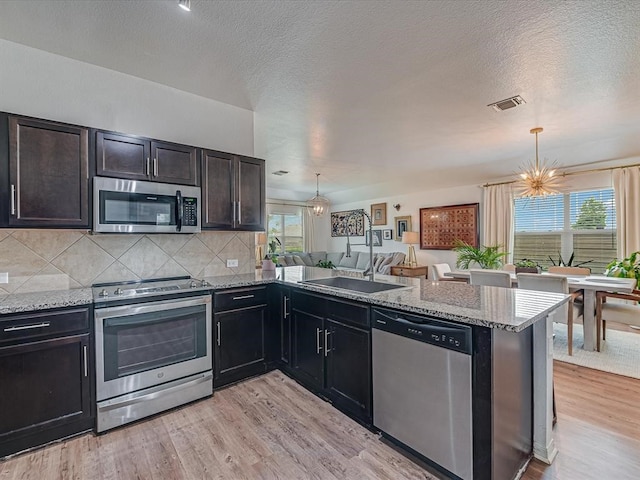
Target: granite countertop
(507,309)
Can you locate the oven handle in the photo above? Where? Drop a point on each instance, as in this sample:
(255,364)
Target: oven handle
(155,317)
(138,308)
(160,392)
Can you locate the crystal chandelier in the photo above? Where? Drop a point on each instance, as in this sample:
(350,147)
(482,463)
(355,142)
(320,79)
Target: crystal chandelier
(537,179)
(318,204)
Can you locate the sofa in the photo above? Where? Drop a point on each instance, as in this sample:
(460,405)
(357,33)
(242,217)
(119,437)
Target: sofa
(358,261)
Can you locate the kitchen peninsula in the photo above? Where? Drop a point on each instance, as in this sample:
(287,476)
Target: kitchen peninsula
(495,316)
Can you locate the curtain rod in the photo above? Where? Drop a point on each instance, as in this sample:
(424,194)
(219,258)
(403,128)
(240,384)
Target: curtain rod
(288,204)
(568,174)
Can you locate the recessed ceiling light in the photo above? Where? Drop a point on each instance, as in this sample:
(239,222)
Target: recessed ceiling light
(185,5)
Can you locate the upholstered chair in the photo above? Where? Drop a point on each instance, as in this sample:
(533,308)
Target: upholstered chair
(616,307)
(491,278)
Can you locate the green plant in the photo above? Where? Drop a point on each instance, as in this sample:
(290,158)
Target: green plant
(568,263)
(527,263)
(485,257)
(627,268)
(593,214)
(325,264)
(273,247)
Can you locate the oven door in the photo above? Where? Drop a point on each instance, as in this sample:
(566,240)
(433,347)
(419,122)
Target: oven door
(143,345)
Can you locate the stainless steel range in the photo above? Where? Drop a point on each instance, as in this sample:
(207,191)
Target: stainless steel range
(153,347)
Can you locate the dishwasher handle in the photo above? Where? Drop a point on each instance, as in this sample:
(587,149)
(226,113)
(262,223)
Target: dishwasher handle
(445,334)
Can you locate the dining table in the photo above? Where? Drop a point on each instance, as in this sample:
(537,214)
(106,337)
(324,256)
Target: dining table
(589,284)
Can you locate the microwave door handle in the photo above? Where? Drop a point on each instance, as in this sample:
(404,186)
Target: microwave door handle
(179,210)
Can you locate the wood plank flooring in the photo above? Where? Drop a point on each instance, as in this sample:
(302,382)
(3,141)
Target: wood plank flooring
(272,428)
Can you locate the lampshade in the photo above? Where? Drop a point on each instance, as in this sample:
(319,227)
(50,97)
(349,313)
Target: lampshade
(537,179)
(318,204)
(261,239)
(410,237)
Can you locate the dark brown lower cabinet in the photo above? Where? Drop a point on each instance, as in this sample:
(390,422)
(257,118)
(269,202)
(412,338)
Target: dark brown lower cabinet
(331,351)
(46,391)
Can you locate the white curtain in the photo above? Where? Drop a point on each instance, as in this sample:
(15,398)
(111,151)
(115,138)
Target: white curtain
(497,214)
(309,225)
(626,186)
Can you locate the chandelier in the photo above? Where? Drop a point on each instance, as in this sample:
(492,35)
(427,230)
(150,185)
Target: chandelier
(318,204)
(537,179)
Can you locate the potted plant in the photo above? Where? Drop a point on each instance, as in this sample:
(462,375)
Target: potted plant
(325,264)
(568,263)
(485,257)
(527,266)
(627,268)
(271,258)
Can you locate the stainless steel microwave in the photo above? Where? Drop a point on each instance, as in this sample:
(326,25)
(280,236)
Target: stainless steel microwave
(132,206)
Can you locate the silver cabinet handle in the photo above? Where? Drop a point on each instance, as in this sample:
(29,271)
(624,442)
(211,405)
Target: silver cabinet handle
(285,299)
(218,331)
(13,199)
(155,167)
(27,327)
(326,342)
(233,206)
(318,340)
(86,363)
(147,168)
(239,213)
(242,297)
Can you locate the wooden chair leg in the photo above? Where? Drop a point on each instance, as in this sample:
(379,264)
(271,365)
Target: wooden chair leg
(598,323)
(604,329)
(570,328)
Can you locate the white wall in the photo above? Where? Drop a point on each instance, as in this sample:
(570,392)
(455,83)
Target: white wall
(44,85)
(411,203)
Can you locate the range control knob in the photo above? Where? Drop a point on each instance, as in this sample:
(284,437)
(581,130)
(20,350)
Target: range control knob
(193,284)
(103,293)
(118,291)
(204,283)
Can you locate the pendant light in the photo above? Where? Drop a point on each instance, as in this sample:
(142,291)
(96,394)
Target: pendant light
(185,5)
(537,179)
(318,204)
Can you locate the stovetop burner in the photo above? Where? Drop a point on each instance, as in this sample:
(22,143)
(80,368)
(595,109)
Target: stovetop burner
(113,291)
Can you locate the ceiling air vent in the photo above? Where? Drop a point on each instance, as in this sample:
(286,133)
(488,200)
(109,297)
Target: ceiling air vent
(280,172)
(507,103)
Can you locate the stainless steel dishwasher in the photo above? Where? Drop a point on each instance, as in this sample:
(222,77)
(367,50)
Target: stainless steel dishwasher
(422,387)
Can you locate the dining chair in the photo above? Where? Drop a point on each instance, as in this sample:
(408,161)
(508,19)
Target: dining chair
(439,269)
(556,284)
(491,278)
(621,308)
(570,270)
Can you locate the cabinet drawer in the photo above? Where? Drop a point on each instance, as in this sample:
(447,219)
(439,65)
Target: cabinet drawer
(32,325)
(239,298)
(348,312)
(308,303)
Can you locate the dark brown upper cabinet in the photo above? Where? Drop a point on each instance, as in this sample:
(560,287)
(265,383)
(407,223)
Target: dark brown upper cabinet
(233,192)
(135,158)
(48,174)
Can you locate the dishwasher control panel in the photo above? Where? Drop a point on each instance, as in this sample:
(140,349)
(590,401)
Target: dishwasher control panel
(449,335)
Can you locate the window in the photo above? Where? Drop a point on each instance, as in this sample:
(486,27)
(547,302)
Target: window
(284,222)
(582,224)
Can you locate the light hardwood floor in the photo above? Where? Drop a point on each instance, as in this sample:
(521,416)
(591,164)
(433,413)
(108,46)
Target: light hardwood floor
(271,428)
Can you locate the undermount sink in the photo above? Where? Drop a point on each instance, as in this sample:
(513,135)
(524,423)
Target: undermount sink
(346,283)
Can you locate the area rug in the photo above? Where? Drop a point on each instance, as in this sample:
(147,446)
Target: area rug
(620,354)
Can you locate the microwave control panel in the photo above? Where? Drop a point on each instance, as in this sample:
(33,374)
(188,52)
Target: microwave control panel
(190,212)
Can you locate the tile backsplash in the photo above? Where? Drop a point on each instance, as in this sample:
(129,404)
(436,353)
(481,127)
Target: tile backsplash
(40,260)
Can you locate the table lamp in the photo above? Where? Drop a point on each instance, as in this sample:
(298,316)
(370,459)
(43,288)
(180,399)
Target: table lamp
(411,238)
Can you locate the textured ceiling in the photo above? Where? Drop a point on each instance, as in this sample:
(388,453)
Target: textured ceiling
(380,97)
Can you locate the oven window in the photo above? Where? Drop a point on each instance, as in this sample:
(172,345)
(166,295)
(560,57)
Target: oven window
(137,343)
(137,209)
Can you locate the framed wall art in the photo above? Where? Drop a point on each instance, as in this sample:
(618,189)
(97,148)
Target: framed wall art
(377,238)
(348,219)
(387,234)
(403,224)
(379,214)
(440,227)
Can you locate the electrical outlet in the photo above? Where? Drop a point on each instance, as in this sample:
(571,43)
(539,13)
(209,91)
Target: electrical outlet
(232,263)
(4,277)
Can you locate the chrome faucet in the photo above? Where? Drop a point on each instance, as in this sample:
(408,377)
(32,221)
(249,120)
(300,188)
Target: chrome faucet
(369,272)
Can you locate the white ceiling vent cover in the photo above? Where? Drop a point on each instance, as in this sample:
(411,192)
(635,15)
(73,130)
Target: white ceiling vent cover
(507,103)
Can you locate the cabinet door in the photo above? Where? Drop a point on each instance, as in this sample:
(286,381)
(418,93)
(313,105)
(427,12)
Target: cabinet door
(172,163)
(349,367)
(122,156)
(218,190)
(48,174)
(44,385)
(251,194)
(308,358)
(239,338)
